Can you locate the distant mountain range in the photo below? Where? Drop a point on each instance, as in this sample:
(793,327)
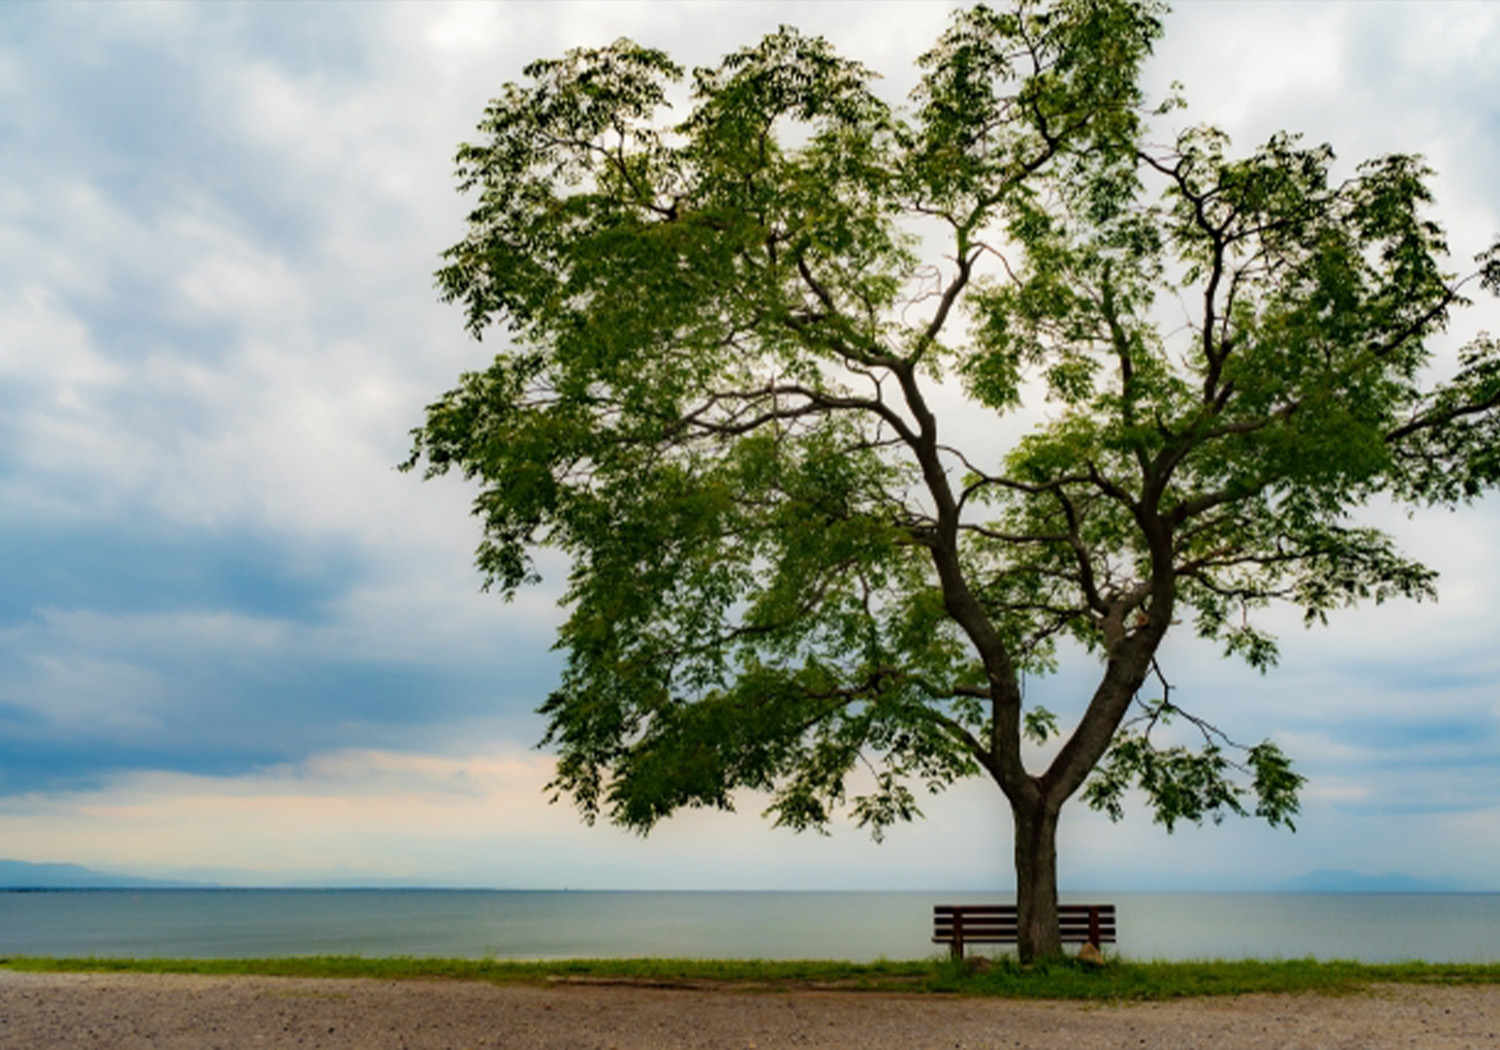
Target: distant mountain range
(1330,881)
(21,875)
(24,875)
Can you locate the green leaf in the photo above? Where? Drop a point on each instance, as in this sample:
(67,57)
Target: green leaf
(735,345)
(1040,725)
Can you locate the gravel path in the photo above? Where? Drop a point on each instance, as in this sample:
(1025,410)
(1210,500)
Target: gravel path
(168,1012)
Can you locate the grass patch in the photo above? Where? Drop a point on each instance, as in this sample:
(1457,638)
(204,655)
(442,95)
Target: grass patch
(1123,979)
(727,972)
(1119,980)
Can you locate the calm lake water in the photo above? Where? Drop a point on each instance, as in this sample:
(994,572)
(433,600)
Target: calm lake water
(856,926)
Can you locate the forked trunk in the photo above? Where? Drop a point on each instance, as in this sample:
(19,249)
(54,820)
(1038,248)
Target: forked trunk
(1038,935)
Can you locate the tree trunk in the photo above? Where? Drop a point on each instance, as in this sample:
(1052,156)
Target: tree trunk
(1037,932)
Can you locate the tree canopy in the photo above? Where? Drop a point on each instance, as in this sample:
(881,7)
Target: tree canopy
(725,343)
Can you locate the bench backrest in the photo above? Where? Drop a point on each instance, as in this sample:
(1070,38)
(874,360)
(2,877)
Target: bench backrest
(997,922)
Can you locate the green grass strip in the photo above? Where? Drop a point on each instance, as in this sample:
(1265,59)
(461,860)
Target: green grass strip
(1142,981)
(1119,980)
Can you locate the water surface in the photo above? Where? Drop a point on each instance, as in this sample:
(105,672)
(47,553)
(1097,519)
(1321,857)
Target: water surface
(789,925)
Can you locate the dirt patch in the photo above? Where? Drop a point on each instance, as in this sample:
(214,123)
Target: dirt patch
(179,1012)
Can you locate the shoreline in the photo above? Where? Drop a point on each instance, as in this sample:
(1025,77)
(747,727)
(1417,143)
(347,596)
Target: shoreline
(994,976)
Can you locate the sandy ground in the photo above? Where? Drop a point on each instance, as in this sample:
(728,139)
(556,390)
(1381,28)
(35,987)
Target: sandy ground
(129,1011)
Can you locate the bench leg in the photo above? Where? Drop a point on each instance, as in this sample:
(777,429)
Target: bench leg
(956,948)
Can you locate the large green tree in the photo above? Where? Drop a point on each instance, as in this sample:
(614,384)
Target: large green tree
(717,394)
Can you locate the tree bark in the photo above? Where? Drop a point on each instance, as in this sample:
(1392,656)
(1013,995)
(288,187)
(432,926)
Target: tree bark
(1037,932)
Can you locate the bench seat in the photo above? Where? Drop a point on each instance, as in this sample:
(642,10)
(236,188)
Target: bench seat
(958,924)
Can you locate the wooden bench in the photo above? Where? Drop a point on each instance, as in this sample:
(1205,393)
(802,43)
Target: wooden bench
(958,924)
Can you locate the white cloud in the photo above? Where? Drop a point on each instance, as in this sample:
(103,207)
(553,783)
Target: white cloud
(474,817)
(479,817)
(236,336)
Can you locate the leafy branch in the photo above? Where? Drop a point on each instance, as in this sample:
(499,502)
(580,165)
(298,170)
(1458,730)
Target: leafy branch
(1183,784)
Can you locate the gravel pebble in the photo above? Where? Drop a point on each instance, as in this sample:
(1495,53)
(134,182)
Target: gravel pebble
(50,1011)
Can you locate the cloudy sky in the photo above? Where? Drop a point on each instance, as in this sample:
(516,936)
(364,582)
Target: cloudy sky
(236,644)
